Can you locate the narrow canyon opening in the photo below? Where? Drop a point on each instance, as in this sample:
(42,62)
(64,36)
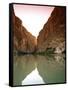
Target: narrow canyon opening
(38,43)
(33,17)
(37,28)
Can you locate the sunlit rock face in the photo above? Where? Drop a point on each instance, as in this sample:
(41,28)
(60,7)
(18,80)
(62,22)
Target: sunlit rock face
(53,33)
(23,40)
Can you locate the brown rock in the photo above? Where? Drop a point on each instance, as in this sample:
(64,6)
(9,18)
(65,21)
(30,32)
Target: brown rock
(53,33)
(23,40)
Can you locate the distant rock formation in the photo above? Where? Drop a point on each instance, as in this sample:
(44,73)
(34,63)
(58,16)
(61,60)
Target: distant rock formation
(23,40)
(53,33)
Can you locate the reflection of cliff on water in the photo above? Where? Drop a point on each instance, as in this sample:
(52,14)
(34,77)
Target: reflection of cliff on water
(51,68)
(23,65)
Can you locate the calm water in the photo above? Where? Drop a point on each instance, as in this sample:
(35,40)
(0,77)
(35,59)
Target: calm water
(38,69)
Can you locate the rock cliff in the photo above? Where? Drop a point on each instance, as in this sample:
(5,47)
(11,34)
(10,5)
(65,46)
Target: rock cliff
(53,33)
(23,40)
(51,36)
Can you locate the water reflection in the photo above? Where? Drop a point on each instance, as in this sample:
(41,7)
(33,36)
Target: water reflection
(33,78)
(51,70)
(38,69)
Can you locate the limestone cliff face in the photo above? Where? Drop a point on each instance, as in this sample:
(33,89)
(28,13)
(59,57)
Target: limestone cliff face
(53,33)
(22,39)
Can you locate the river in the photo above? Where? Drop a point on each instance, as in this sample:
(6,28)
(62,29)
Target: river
(38,69)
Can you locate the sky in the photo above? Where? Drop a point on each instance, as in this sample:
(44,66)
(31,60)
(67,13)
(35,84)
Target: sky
(33,17)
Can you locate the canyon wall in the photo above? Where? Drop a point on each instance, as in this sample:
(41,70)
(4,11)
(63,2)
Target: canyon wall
(23,40)
(52,34)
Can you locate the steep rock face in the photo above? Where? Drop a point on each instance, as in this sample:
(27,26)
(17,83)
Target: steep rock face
(53,33)
(22,39)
